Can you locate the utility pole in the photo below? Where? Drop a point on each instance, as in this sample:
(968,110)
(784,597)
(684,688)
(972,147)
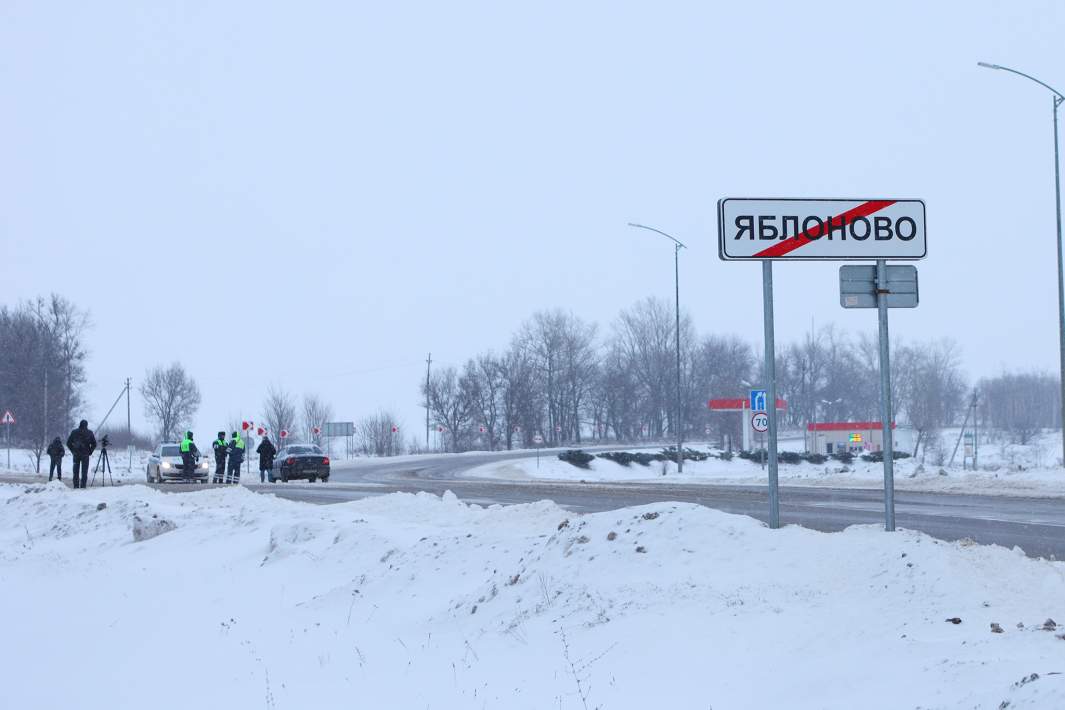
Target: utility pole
(428,364)
(677,246)
(129,427)
(1057,98)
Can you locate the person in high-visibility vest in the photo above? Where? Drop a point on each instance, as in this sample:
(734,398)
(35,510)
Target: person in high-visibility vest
(220,445)
(189,454)
(236,458)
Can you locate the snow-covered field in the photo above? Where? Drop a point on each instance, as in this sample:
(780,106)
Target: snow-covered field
(23,463)
(129,597)
(1006,469)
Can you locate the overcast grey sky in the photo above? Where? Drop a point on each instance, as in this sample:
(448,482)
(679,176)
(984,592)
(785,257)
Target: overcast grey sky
(316,194)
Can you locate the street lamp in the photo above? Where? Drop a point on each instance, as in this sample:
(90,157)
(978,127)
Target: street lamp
(677,246)
(828,403)
(1057,98)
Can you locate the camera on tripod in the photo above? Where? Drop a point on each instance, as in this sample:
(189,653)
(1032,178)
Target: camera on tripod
(105,442)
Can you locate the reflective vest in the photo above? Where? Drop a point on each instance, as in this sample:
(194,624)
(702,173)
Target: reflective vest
(238,442)
(185,444)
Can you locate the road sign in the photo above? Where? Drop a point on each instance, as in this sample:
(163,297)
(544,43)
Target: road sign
(856,437)
(538,439)
(827,229)
(260,431)
(8,418)
(760,422)
(758,401)
(339,428)
(244,426)
(858,289)
(316,430)
(283,433)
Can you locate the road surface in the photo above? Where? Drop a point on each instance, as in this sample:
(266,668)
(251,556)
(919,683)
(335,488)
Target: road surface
(1036,525)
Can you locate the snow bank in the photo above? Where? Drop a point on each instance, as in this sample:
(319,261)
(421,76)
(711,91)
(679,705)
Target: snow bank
(910,474)
(129,597)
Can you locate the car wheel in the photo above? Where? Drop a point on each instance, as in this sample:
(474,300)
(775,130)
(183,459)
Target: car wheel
(271,478)
(148,474)
(325,479)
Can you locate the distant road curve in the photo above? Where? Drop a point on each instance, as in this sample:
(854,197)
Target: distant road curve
(1036,525)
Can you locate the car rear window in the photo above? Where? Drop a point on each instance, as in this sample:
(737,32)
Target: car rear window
(303,450)
(171,450)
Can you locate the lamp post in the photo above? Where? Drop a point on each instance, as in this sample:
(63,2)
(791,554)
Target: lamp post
(828,403)
(677,246)
(1057,98)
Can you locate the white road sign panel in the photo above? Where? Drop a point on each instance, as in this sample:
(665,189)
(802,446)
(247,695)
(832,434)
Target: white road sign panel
(826,229)
(8,418)
(760,422)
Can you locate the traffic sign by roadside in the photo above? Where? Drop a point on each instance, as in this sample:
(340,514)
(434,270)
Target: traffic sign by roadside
(538,439)
(760,422)
(283,433)
(858,287)
(8,418)
(758,401)
(828,229)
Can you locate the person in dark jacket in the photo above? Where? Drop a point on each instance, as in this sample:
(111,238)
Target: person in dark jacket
(220,445)
(236,458)
(56,452)
(266,452)
(189,455)
(81,442)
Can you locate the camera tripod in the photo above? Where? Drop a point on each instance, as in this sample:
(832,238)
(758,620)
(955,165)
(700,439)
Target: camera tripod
(103,467)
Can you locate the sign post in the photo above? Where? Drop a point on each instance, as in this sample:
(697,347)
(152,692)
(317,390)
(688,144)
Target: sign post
(8,420)
(804,229)
(882,292)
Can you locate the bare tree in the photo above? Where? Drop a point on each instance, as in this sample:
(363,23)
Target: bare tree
(450,406)
(483,382)
(316,412)
(1020,403)
(379,434)
(171,399)
(279,413)
(932,387)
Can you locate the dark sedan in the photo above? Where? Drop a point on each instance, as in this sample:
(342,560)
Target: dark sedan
(300,461)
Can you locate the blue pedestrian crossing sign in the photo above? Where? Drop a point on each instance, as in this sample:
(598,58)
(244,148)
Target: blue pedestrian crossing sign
(758,401)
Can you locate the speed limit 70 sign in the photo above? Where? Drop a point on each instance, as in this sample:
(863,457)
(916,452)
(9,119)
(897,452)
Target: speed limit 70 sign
(760,422)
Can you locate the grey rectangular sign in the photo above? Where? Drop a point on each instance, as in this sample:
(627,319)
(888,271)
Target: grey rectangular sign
(338,429)
(857,286)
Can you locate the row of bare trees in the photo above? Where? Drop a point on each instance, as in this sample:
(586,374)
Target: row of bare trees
(42,370)
(564,381)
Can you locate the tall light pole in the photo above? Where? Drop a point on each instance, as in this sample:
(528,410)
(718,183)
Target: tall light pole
(1057,98)
(677,246)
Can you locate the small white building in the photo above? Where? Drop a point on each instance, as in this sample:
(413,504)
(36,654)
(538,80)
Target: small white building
(856,437)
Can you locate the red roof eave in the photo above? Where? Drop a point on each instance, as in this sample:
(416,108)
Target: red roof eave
(844,426)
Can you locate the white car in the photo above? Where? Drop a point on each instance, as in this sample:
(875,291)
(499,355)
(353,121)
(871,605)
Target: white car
(165,464)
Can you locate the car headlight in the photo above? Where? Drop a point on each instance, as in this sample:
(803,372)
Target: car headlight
(164,464)
(203,465)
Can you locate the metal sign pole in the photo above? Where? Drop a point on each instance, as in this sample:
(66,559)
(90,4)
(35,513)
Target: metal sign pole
(885,395)
(7,439)
(771,404)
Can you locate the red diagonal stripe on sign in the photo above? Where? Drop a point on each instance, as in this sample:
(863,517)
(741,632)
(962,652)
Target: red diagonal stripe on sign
(810,235)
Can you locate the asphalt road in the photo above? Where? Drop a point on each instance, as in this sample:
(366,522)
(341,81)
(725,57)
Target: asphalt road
(1036,525)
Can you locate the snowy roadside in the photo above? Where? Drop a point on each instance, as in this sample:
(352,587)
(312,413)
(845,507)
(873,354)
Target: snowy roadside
(910,475)
(226,598)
